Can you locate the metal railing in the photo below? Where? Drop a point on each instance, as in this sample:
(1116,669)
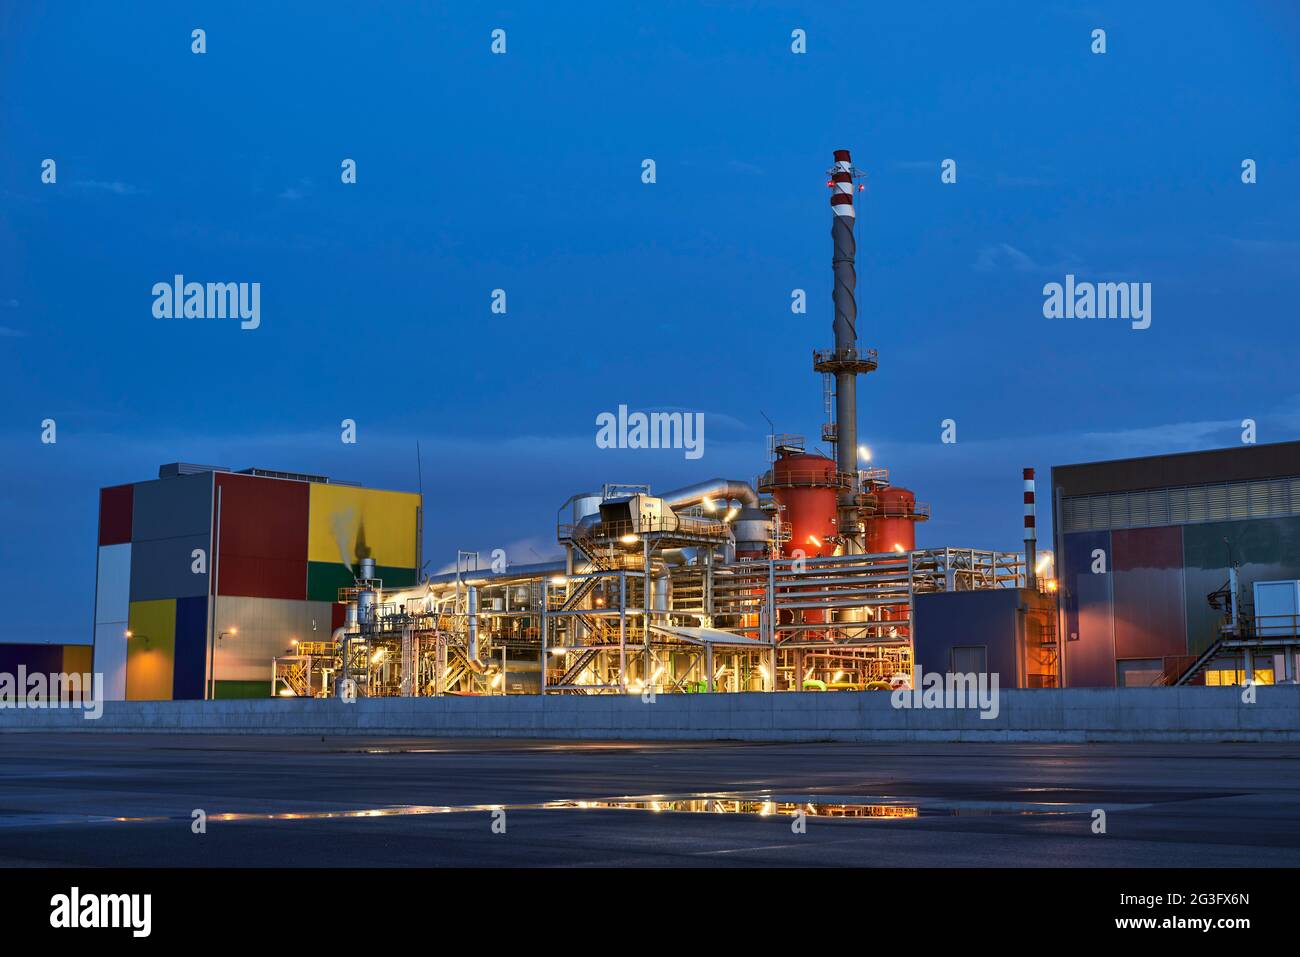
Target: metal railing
(666,525)
(806,477)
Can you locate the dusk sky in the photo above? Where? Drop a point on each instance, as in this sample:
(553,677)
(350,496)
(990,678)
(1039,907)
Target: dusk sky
(523,172)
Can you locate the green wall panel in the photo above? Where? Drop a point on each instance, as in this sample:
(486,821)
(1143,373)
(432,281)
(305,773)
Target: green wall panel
(243,689)
(324,579)
(1267,549)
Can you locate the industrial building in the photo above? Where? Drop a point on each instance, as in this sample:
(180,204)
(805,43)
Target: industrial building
(214,583)
(1180,568)
(806,577)
(206,575)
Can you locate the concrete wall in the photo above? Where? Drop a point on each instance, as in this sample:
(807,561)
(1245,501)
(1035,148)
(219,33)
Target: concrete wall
(1056,715)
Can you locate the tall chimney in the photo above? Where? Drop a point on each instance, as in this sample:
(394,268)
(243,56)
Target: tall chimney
(843,262)
(843,361)
(1031,533)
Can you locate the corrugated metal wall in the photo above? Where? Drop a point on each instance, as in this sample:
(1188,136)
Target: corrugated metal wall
(112,610)
(165,568)
(263,537)
(280,544)
(36,659)
(266,627)
(1089,643)
(190,670)
(171,521)
(151,650)
(1149,607)
(115,515)
(324,580)
(1152,603)
(362,523)
(987,619)
(1266,550)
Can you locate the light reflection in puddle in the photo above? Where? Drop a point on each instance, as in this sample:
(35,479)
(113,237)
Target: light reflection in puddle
(762,808)
(753,804)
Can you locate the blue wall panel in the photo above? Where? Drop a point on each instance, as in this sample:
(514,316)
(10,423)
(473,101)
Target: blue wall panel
(190,667)
(1086,597)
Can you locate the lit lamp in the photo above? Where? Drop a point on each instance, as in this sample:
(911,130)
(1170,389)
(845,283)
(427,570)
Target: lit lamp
(232,633)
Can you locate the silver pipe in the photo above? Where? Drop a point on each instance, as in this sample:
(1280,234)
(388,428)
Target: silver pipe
(718,488)
(471,616)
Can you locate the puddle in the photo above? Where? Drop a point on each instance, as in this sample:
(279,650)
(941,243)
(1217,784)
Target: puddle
(757,804)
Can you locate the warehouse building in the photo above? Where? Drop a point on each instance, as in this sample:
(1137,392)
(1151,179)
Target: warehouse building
(204,574)
(1143,543)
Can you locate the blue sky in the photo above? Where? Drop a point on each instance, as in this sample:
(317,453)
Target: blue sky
(522,172)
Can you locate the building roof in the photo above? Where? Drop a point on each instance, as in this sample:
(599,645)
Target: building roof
(1236,464)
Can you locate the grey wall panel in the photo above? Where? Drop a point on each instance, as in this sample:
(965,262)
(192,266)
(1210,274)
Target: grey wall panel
(110,658)
(265,629)
(113,583)
(163,568)
(172,508)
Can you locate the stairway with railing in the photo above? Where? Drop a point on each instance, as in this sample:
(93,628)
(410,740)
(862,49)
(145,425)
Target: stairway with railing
(570,606)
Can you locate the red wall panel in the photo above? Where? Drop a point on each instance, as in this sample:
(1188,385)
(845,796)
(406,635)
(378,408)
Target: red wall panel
(115,506)
(1148,598)
(263,535)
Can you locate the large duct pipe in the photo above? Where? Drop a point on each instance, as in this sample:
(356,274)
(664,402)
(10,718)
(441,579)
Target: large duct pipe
(843,263)
(719,488)
(340,638)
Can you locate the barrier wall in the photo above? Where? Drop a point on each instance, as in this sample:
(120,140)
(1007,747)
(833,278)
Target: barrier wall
(1045,715)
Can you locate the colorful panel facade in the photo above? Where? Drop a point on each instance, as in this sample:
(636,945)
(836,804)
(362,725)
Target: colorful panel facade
(170,568)
(263,537)
(112,609)
(1089,643)
(148,584)
(190,670)
(348,524)
(324,579)
(151,650)
(1266,550)
(1150,611)
(265,629)
(115,515)
(113,583)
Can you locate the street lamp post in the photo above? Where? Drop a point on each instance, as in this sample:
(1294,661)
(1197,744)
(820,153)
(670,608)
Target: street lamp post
(232,633)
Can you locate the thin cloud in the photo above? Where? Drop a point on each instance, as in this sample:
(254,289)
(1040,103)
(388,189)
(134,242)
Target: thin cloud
(297,192)
(115,186)
(1003,257)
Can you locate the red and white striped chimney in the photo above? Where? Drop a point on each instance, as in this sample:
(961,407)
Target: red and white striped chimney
(842,184)
(1031,533)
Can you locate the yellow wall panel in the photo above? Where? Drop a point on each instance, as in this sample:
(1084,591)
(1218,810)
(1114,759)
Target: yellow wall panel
(77,659)
(362,523)
(150,651)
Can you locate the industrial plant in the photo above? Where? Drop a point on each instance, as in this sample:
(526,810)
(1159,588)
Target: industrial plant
(217,584)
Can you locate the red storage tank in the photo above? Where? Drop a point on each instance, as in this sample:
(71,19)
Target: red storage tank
(893,527)
(805,487)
